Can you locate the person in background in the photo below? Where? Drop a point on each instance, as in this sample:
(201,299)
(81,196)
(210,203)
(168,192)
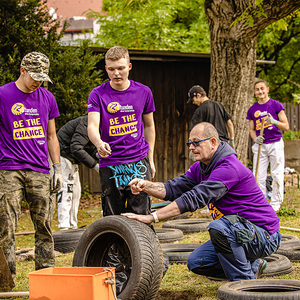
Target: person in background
(245,227)
(212,112)
(27,138)
(123,111)
(269,113)
(75,148)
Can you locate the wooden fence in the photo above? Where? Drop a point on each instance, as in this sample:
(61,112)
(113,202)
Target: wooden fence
(293,114)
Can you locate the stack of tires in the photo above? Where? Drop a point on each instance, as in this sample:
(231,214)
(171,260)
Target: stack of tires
(141,257)
(278,264)
(290,247)
(179,253)
(128,245)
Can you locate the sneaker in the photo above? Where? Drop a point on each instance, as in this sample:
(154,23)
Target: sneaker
(261,268)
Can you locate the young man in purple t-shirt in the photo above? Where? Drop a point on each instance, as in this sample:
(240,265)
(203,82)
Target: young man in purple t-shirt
(245,226)
(271,113)
(121,126)
(27,137)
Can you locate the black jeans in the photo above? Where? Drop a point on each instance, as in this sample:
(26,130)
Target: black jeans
(116,194)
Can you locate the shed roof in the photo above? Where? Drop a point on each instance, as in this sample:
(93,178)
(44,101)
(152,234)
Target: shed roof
(159,55)
(167,55)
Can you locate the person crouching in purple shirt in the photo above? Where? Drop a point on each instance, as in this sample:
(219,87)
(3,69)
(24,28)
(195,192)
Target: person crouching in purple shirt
(245,228)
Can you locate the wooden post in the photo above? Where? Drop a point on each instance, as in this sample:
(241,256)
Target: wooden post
(6,280)
(261,133)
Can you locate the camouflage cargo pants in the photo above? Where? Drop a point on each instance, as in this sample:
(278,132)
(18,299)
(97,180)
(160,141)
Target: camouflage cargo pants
(34,187)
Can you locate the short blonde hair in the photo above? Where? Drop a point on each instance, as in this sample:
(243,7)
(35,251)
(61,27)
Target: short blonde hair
(117,52)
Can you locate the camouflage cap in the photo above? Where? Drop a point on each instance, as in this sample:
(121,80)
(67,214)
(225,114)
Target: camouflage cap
(37,65)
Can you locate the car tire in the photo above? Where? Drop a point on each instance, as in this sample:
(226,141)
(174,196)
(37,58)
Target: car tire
(179,253)
(65,241)
(289,240)
(188,225)
(130,246)
(277,265)
(260,289)
(292,252)
(168,235)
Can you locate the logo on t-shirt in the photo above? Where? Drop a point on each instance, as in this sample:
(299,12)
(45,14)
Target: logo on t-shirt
(262,114)
(257,114)
(18,109)
(214,211)
(113,107)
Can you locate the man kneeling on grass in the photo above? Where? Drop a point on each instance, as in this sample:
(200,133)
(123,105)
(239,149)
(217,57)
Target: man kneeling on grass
(245,227)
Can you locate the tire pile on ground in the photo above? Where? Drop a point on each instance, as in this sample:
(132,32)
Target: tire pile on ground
(141,257)
(65,241)
(290,247)
(128,245)
(278,263)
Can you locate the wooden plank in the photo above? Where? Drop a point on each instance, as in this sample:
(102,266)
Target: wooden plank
(6,280)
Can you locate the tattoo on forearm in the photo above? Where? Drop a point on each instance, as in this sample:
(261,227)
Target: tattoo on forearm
(160,187)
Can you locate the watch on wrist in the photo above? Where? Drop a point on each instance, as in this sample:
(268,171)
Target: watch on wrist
(154,214)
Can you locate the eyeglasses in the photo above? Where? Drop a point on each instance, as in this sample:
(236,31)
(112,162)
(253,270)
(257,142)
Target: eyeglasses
(196,143)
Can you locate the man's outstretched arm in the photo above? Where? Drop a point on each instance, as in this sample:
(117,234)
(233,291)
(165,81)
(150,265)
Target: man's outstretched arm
(155,189)
(171,210)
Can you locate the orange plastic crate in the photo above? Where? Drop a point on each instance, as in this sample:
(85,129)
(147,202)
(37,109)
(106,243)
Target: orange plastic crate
(74,283)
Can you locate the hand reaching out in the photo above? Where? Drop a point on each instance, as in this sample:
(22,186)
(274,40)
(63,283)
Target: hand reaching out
(137,185)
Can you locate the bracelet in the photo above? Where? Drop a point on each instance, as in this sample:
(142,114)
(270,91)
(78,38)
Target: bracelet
(232,139)
(154,214)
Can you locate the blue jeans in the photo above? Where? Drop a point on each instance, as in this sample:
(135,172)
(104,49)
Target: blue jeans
(242,261)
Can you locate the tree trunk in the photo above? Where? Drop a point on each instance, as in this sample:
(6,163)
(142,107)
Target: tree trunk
(238,64)
(233,57)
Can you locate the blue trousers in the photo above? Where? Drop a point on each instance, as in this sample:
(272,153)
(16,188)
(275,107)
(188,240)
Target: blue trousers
(240,261)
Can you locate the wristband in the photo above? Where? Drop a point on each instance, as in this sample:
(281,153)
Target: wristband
(154,214)
(232,139)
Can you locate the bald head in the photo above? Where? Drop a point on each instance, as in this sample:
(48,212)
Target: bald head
(206,130)
(204,142)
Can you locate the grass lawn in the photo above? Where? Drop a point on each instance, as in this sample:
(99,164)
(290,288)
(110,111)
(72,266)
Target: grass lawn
(178,283)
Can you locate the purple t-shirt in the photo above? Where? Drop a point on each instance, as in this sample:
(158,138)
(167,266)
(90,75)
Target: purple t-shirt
(243,196)
(121,120)
(23,128)
(258,111)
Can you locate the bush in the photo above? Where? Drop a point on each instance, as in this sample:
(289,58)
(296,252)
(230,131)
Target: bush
(74,73)
(291,135)
(27,26)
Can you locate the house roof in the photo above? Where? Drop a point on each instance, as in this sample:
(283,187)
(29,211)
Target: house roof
(67,9)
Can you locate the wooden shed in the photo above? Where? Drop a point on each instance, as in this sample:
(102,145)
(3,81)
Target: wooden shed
(170,75)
